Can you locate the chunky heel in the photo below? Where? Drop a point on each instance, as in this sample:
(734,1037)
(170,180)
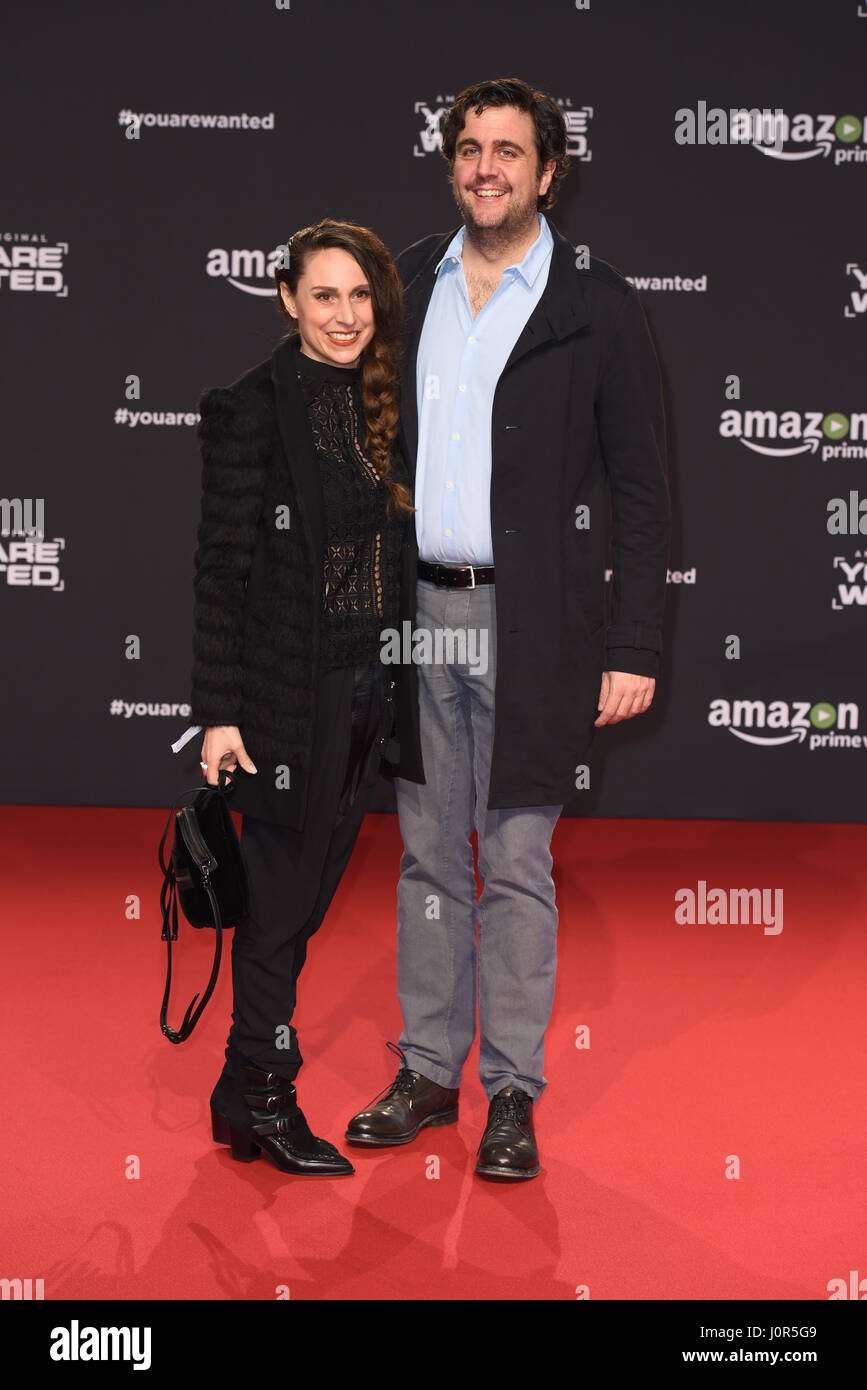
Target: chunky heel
(276,1129)
(219,1127)
(243,1149)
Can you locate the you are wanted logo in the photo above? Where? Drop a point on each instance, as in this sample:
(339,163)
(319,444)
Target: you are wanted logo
(851,588)
(784,433)
(857,291)
(430,134)
(32,264)
(774,723)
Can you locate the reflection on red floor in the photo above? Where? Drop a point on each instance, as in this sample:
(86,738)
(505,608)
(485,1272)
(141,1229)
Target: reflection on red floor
(712,1048)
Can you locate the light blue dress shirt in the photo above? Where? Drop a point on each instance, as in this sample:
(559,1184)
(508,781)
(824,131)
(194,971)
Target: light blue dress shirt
(460,360)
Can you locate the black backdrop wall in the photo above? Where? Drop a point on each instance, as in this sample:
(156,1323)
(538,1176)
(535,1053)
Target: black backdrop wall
(147,257)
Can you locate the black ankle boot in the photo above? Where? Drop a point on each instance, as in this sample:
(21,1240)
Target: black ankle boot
(263,1115)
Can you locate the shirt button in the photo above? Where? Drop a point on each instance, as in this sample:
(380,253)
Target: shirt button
(447,533)
(471,340)
(462,387)
(455,435)
(449,484)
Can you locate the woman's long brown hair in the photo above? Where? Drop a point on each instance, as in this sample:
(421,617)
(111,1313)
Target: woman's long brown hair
(381,359)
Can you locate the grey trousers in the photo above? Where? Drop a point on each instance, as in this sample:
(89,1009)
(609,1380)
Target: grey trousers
(441,970)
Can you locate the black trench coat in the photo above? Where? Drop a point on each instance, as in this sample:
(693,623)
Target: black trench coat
(577,418)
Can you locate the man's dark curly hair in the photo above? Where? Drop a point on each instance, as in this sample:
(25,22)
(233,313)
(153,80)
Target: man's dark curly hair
(511,91)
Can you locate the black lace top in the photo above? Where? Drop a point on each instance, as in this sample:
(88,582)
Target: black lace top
(361,589)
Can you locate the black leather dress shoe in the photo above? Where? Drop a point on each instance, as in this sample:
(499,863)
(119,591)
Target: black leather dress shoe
(410,1103)
(262,1115)
(508,1145)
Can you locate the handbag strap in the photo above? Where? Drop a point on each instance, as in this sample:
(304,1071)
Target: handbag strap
(169,908)
(190,1018)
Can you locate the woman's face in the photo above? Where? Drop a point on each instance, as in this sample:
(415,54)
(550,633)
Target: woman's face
(333,306)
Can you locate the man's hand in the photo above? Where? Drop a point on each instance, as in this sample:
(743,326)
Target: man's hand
(622,696)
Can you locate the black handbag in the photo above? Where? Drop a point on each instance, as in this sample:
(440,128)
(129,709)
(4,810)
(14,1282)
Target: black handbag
(206,874)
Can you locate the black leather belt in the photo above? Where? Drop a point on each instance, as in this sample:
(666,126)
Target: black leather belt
(456,576)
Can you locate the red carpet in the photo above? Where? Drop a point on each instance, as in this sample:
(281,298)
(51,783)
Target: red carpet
(706,1042)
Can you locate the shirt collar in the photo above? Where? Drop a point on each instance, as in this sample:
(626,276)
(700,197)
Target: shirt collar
(533,260)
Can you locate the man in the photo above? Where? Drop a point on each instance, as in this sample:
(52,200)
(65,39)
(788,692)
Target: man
(531,392)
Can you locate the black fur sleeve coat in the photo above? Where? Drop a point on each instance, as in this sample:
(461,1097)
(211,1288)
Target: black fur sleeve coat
(257,586)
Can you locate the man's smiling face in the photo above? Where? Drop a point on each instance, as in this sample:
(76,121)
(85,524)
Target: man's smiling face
(496,178)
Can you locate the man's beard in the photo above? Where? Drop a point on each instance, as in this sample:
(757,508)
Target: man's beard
(518,220)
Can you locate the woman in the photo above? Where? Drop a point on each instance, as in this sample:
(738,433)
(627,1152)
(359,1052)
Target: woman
(297,574)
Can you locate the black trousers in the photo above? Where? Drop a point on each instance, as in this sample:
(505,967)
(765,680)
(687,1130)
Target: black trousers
(293,875)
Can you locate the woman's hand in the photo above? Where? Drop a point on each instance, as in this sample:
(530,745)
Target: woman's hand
(223,744)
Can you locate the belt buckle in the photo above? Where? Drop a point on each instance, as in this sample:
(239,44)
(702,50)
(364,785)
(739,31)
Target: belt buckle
(472,576)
